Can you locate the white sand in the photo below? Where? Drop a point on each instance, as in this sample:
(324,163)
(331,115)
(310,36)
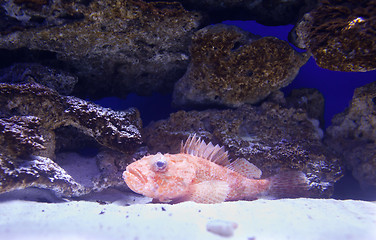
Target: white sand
(259,220)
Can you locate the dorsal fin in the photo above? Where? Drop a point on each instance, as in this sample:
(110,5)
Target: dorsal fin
(245,168)
(197,147)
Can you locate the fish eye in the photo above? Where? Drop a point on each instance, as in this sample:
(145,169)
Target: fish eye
(160,165)
(159,162)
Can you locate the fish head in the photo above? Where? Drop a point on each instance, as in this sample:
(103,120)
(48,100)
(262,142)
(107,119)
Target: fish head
(161,176)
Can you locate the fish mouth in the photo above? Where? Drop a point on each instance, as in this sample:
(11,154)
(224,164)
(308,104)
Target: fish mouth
(135,173)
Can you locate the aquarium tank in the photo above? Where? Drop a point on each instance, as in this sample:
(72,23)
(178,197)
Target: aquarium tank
(186,119)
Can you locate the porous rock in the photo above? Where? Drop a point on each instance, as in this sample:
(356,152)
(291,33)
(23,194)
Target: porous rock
(230,67)
(30,114)
(117,130)
(271,136)
(340,34)
(20,135)
(114,47)
(37,171)
(61,81)
(353,135)
(263,11)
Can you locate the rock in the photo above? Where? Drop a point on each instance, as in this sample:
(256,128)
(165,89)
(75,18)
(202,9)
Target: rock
(29,115)
(115,130)
(114,47)
(353,135)
(263,11)
(340,35)
(310,100)
(262,220)
(61,81)
(230,67)
(221,228)
(271,136)
(36,171)
(20,135)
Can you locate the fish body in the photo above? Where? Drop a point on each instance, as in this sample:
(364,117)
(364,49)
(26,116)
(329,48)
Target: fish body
(203,173)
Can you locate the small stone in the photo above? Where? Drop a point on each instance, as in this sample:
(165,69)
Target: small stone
(221,227)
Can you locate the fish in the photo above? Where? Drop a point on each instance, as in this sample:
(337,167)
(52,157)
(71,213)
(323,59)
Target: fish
(204,173)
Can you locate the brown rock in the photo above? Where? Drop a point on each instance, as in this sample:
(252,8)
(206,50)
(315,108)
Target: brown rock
(115,130)
(230,67)
(20,135)
(353,135)
(114,47)
(340,35)
(60,81)
(30,113)
(266,12)
(270,136)
(36,171)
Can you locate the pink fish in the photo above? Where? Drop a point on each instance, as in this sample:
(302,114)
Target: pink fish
(203,173)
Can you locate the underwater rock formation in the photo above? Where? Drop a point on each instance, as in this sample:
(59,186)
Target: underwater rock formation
(340,35)
(114,47)
(58,80)
(230,67)
(115,130)
(263,11)
(271,136)
(20,135)
(37,171)
(29,115)
(353,134)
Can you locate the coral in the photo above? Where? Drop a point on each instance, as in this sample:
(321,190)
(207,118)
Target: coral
(271,136)
(114,47)
(353,135)
(230,67)
(341,35)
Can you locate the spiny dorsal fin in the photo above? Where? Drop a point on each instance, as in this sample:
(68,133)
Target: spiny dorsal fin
(245,168)
(197,147)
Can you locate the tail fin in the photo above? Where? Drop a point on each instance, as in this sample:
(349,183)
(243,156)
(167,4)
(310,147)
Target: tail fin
(288,184)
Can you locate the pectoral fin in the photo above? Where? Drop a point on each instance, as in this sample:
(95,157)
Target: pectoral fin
(209,192)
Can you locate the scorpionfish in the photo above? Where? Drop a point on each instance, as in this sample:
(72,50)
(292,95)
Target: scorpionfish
(203,173)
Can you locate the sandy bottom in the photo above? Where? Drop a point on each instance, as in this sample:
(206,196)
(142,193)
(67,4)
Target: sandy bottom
(256,220)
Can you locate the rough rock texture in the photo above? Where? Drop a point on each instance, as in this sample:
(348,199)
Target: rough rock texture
(29,115)
(115,130)
(287,219)
(61,81)
(353,134)
(272,136)
(20,135)
(230,67)
(114,47)
(340,34)
(263,11)
(36,171)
